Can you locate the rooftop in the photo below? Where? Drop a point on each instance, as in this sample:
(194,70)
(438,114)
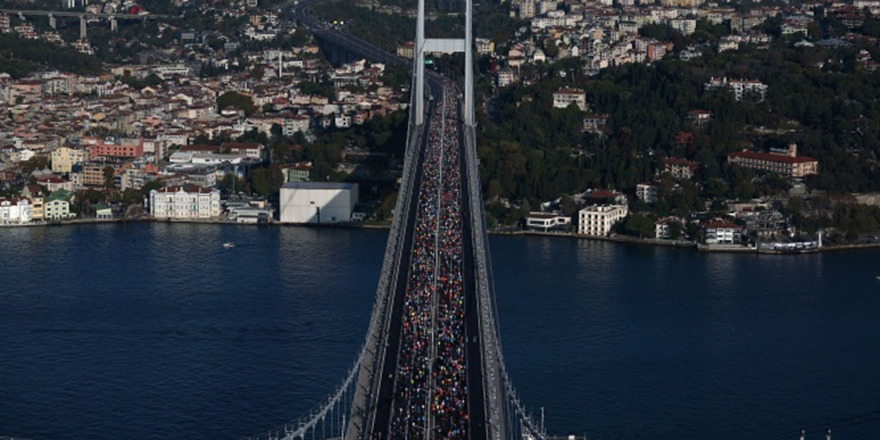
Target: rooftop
(770,157)
(319,185)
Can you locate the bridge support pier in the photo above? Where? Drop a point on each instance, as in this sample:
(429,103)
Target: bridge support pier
(52,22)
(82,28)
(114,25)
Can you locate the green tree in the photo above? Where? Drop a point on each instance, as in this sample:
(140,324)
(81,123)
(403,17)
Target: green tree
(109,176)
(639,225)
(149,186)
(236,100)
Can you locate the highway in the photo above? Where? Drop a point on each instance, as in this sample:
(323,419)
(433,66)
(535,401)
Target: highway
(119,16)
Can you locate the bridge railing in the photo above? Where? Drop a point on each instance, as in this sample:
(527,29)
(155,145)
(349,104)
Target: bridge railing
(329,415)
(379,322)
(505,406)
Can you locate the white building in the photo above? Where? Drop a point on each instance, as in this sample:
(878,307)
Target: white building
(562,98)
(318,202)
(190,202)
(539,221)
(663,227)
(647,192)
(506,77)
(721,232)
(740,87)
(57,206)
(15,211)
(597,220)
(298,123)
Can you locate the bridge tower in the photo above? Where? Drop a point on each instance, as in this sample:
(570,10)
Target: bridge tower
(83,28)
(444,45)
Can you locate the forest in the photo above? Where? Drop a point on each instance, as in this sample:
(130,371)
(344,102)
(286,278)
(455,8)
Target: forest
(535,152)
(20,56)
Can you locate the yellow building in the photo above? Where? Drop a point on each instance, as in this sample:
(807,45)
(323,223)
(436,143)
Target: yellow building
(64,158)
(785,162)
(37,212)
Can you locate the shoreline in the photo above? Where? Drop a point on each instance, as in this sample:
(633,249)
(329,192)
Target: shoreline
(614,238)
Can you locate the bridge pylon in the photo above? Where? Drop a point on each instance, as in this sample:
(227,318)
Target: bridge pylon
(83,26)
(424,45)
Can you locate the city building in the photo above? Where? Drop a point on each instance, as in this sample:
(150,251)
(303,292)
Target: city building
(103,212)
(679,168)
(318,202)
(603,196)
(663,227)
(113,147)
(721,232)
(785,162)
(90,174)
(57,206)
(595,123)
(740,87)
(484,46)
(64,158)
(505,77)
(562,98)
(184,202)
(38,212)
(297,123)
(406,50)
(597,220)
(699,117)
(15,211)
(647,192)
(297,172)
(248,150)
(545,222)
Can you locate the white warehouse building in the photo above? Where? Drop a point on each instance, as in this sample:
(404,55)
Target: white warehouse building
(318,202)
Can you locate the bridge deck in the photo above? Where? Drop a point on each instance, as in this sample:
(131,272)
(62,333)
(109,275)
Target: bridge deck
(383,409)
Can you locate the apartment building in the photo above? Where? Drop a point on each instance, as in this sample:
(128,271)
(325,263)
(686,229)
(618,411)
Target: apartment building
(740,87)
(721,232)
(562,98)
(15,211)
(597,220)
(64,158)
(112,147)
(647,192)
(680,168)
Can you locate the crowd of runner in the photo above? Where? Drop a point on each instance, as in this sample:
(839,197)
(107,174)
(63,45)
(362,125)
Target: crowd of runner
(431,378)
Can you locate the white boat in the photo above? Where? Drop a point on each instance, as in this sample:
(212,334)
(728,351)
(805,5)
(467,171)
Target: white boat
(229,245)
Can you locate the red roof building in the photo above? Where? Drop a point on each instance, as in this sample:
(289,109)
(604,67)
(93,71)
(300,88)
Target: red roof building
(789,164)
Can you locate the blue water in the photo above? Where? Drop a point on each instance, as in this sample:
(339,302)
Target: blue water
(154,331)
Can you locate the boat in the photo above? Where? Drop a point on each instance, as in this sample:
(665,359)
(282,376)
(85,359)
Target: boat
(229,245)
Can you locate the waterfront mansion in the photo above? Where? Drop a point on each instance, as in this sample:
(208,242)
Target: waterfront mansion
(184,203)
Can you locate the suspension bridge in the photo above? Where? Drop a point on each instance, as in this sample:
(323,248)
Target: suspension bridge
(432,366)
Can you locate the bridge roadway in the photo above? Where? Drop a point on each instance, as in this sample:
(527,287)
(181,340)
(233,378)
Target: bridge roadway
(120,16)
(383,406)
(328,32)
(373,417)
